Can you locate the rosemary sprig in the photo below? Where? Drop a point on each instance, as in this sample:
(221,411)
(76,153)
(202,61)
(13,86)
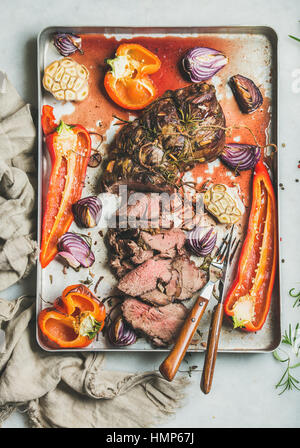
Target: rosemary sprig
(296,296)
(187,118)
(288,381)
(121,120)
(294,37)
(290,339)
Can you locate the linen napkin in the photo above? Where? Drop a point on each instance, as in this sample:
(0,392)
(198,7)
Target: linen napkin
(69,389)
(72,390)
(17,200)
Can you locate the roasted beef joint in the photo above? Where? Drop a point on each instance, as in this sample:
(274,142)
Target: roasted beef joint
(179,129)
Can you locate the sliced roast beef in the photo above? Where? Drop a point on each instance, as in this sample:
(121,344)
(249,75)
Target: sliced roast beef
(160,280)
(156,211)
(156,297)
(160,324)
(138,254)
(146,276)
(120,267)
(134,247)
(141,210)
(165,242)
(190,278)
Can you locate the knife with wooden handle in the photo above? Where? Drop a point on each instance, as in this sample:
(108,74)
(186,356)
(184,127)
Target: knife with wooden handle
(212,348)
(170,365)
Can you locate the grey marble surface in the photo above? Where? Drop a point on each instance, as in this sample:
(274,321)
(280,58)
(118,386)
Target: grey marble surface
(243,393)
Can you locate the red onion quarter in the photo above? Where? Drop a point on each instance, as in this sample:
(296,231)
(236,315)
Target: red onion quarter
(202,241)
(75,250)
(201,63)
(120,333)
(240,157)
(87,211)
(67,43)
(246,93)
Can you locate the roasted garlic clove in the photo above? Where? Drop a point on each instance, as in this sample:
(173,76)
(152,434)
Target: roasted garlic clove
(221,204)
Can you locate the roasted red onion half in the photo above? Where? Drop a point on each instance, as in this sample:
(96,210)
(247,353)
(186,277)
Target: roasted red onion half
(201,63)
(239,156)
(202,241)
(67,43)
(75,250)
(87,211)
(120,333)
(246,93)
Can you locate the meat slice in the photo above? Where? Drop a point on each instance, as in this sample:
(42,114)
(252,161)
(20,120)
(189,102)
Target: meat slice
(138,254)
(141,210)
(160,324)
(146,276)
(166,241)
(161,280)
(156,297)
(120,266)
(157,211)
(190,278)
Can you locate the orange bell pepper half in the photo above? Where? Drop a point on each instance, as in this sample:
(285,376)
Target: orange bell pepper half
(75,319)
(70,149)
(248,300)
(128,83)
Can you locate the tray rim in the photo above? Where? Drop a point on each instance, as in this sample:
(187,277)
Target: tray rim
(172,30)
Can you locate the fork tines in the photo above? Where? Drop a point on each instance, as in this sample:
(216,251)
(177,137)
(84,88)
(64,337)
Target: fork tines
(234,250)
(222,253)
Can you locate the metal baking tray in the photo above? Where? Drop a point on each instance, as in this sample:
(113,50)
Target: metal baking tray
(257,52)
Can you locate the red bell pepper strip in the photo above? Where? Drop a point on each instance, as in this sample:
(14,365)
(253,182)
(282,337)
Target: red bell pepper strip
(49,124)
(249,298)
(70,149)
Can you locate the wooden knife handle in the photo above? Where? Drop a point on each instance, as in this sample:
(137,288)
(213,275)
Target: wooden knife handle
(212,348)
(170,365)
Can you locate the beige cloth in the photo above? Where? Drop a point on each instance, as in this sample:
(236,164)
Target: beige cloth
(72,390)
(68,389)
(17,200)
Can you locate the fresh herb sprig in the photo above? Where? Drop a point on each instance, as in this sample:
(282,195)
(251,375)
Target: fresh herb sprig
(294,37)
(296,296)
(291,339)
(288,381)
